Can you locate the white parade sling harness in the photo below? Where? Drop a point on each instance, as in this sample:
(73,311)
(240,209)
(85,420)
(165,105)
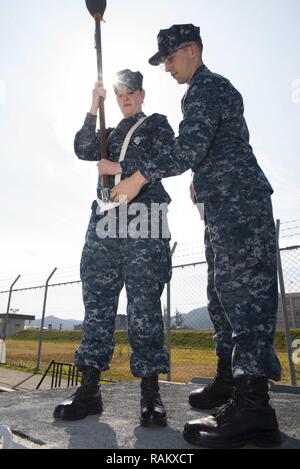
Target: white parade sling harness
(105,206)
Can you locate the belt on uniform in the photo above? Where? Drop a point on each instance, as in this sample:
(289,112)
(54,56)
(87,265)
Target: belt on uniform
(105,206)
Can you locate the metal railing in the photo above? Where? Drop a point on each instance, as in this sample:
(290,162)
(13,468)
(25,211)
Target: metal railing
(61,371)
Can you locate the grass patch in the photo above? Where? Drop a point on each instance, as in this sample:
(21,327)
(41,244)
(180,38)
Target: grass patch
(187,362)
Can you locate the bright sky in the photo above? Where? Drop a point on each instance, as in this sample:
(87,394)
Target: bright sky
(47,72)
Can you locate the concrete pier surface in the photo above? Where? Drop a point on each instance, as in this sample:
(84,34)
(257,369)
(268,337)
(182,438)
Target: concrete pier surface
(29,415)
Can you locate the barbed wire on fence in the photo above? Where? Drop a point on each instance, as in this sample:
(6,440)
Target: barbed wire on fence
(290,236)
(290,221)
(63,273)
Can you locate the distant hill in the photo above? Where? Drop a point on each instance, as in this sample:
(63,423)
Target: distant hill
(197,319)
(56,323)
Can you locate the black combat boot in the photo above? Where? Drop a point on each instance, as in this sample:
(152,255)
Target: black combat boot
(218,392)
(246,419)
(85,401)
(152,408)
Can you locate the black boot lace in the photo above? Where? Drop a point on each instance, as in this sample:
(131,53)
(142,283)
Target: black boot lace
(223,413)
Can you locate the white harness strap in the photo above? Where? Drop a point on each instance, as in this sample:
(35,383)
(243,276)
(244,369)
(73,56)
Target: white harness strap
(105,206)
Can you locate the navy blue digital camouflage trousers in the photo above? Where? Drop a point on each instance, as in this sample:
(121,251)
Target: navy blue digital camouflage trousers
(144,266)
(240,242)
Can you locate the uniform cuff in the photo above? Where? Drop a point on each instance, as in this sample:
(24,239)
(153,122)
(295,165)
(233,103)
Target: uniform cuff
(90,121)
(145,172)
(128,167)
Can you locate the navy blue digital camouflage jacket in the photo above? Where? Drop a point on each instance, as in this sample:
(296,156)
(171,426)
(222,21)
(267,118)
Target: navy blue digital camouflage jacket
(144,143)
(213,141)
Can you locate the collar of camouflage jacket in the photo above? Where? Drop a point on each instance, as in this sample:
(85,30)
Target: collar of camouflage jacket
(130,121)
(202,68)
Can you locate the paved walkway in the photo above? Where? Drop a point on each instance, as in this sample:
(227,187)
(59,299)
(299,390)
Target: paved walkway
(21,381)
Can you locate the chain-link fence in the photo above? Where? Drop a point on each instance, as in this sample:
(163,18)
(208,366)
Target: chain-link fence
(290,258)
(192,350)
(289,313)
(189,331)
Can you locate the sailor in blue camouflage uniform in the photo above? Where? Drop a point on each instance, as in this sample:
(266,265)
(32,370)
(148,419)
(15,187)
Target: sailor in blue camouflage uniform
(240,242)
(142,263)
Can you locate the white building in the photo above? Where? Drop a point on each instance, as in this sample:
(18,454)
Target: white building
(16,323)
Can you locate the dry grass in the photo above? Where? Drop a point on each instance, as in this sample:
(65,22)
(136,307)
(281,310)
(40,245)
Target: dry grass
(186,363)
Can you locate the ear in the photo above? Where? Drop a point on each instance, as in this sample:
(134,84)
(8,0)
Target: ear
(143,94)
(196,50)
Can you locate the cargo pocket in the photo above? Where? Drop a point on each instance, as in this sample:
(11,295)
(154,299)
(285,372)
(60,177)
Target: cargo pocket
(254,252)
(164,261)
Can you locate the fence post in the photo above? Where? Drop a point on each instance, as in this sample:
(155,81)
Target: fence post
(293,375)
(168,321)
(38,361)
(8,306)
